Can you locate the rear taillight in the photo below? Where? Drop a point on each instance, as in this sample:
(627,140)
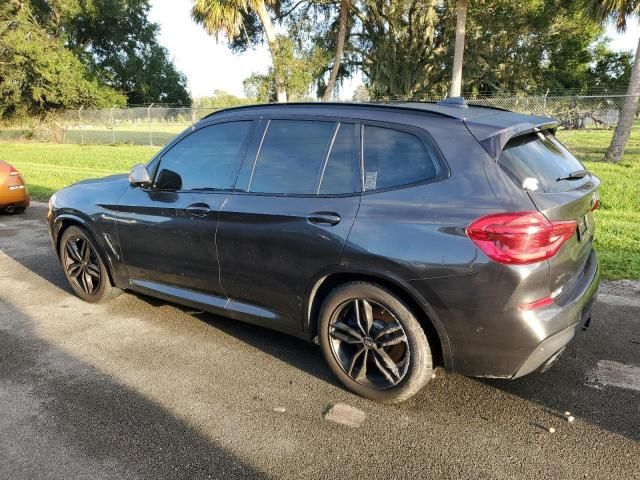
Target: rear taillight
(542,302)
(521,237)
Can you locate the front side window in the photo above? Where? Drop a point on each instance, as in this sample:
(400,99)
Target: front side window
(393,158)
(207,159)
(291,156)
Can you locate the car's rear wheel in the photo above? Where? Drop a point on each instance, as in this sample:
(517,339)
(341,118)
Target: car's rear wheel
(373,343)
(84,268)
(13,210)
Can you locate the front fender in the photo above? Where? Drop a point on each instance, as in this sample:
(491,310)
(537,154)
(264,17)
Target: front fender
(108,254)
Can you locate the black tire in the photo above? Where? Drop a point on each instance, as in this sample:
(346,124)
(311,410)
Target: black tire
(92,283)
(14,210)
(411,360)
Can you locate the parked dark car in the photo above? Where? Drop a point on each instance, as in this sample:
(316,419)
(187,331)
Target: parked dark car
(397,236)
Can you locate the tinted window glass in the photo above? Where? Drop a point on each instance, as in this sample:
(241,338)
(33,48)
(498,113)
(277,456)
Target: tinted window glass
(291,156)
(536,162)
(206,159)
(393,158)
(341,172)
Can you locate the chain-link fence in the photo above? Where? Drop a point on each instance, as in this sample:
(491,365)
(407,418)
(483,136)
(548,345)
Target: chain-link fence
(572,112)
(156,125)
(575,111)
(152,125)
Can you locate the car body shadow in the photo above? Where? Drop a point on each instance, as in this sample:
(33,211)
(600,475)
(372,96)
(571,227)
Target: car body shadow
(55,406)
(568,386)
(572,383)
(294,351)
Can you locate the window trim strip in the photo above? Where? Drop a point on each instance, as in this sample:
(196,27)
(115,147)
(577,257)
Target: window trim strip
(325,161)
(255,160)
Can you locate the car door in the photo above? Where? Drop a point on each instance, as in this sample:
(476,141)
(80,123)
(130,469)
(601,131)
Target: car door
(167,232)
(299,194)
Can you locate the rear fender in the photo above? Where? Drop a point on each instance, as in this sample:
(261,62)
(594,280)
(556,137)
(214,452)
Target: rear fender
(384,278)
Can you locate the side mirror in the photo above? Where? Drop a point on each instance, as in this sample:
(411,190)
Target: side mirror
(168,180)
(139,176)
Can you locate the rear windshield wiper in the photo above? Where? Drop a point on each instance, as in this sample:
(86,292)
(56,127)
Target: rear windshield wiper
(577,175)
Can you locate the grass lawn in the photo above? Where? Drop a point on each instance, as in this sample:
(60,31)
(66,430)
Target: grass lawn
(49,167)
(133,134)
(618,220)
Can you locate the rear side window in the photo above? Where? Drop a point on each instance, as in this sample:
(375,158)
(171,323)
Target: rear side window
(536,162)
(341,172)
(393,158)
(291,156)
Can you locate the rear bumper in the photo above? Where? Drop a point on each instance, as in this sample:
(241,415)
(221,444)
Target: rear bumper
(577,312)
(489,335)
(18,198)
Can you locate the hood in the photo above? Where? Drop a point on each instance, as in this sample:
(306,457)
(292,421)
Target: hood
(110,179)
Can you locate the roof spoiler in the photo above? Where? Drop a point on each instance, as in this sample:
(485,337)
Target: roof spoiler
(493,139)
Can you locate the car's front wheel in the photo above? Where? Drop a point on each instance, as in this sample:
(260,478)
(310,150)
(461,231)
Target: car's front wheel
(373,343)
(83,267)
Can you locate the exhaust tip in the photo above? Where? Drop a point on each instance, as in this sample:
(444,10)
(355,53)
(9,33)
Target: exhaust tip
(549,363)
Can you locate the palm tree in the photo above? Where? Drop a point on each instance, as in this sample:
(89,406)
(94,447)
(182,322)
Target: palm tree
(461,22)
(225,16)
(620,11)
(345,6)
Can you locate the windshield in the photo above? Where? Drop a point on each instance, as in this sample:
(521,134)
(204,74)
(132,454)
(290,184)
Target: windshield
(537,161)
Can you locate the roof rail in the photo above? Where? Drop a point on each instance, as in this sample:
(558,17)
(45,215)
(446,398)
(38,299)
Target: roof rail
(334,104)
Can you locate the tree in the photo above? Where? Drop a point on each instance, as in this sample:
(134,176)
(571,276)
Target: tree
(38,74)
(610,71)
(620,11)
(313,25)
(361,94)
(519,48)
(220,99)
(461,22)
(147,77)
(298,68)
(118,43)
(345,6)
(400,46)
(406,48)
(259,88)
(228,17)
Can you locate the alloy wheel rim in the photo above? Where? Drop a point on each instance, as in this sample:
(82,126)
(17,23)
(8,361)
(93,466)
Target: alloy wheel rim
(82,265)
(369,343)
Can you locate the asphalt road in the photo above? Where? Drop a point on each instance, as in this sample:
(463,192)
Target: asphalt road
(138,388)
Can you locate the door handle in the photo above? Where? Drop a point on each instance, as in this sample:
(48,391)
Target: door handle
(198,209)
(324,218)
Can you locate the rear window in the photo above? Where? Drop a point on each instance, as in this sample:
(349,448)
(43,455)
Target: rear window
(536,162)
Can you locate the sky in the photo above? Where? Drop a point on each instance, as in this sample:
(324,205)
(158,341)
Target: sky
(210,65)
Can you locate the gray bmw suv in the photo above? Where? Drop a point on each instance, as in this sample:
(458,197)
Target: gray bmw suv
(397,236)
